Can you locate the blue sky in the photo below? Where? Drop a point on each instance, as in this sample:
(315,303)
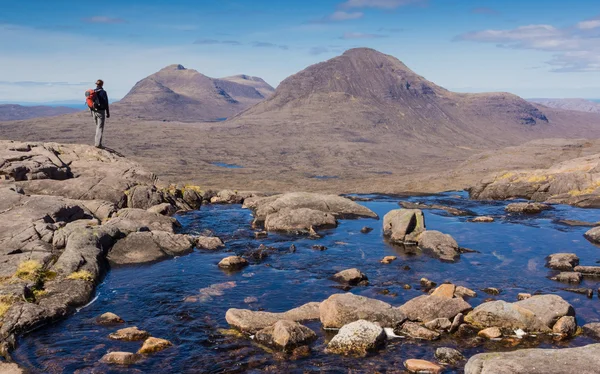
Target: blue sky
(54,50)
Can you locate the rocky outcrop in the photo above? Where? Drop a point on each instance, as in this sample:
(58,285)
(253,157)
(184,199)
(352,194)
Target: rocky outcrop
(582,360)
(450,210)
(252,321)
(60,217)
(341,309)
(357,338)
(302,219)
(285,335)
(575,182)
(141,247)
(403,225)
(233,263)
(536,314)
(121,358)
(129,334)
(593,235)
(153,345)
(339,207)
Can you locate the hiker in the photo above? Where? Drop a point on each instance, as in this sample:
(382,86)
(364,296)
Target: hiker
(97,101)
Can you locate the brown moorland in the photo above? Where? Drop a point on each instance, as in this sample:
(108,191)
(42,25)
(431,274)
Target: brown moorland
(360,122)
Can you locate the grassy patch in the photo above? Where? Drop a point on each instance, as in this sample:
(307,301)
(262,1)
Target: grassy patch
(83,275)
(4,307)
(29,270)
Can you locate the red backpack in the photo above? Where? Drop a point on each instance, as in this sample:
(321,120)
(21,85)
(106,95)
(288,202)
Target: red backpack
(92,100)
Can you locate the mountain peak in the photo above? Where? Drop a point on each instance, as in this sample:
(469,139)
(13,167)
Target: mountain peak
(174,67)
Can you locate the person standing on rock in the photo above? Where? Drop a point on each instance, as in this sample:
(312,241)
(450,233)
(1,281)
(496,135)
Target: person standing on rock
(97,101)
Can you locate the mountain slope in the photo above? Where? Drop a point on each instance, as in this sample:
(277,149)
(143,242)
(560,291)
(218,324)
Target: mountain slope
(367,91)
(179,94)
(13,112)
(579,105)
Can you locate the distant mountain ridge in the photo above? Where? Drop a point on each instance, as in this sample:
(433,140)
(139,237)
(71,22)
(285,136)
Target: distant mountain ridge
(579,105)
(13,112)
(178,94)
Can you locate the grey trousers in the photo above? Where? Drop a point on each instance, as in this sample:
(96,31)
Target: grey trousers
(100,118)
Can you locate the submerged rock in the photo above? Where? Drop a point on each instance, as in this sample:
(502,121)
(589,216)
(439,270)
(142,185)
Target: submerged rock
(562,261)
(351,277)
(449,356)
(588,270)
(568,277)
(366,230)
(252,321)
(357,338)
(109,319)
(233,263)
(582,360)
(341,309)
(422,367)
(388,259)
(120,358)
(403,225)
(129,334)
(483,219)
(152,345)
(442,246)
(536,314)
(451,210)
(417,331)
(285,335)
(527,208)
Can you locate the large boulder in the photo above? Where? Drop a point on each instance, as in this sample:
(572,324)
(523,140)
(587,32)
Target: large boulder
(130,219)
(442,246)
(357,338)
(351,277)
(252,321)
(302,219)
(527,208)
(341,309)
(141,247)
(426,308)
(340,207)
(285,335)
(582,360)
(593,235)
(403,225)
(562,261)
(536,314)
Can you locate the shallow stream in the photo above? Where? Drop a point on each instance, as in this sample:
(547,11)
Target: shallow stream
(167,298)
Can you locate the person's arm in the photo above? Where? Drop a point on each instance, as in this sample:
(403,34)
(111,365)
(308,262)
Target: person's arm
(107,105)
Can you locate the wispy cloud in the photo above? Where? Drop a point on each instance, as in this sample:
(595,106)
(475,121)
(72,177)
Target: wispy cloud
(41,84)
(485,10)
(576,48)
(214,41)
(103,19)
(269,45)
(360,35)
(318,50)
(381,4)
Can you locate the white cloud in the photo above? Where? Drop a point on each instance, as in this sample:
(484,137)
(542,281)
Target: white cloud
(381,4)
(577,49)
(341,15)
(360,35)
(589,25)
(104,19)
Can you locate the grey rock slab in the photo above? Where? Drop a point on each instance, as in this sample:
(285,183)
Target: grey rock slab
(141,247)
(252,321)
(426,308)
(442,246)
(562,261)
(581,360)
(403,225)
(285,335)
(301,219)
(340,309)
